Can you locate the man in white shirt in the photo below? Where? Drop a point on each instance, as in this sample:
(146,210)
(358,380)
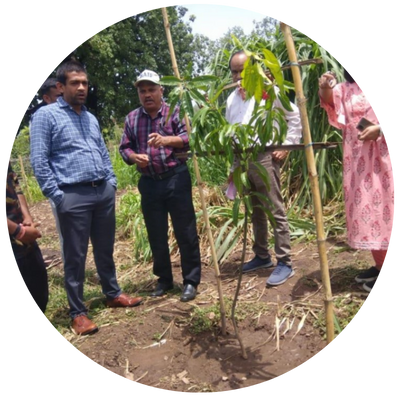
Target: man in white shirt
(238,110)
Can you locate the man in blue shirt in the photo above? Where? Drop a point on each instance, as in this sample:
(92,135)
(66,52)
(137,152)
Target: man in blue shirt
(72,166)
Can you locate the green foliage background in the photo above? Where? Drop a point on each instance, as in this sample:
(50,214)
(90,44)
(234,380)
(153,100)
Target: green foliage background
(115,56)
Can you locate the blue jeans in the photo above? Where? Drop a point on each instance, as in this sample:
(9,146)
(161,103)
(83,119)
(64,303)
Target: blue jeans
(171,196)
(88,213)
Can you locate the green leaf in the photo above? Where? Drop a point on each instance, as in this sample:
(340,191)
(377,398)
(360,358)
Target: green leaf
(172,104)
(236,42)
(272,63)
(253,81)
(285,101)
(198,97)
(170,81)
(202,80)
(187,104)
(235,210)
(262,173)
(245,180)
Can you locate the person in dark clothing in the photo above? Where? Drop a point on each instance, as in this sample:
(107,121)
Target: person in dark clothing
(23,235)
(48,93)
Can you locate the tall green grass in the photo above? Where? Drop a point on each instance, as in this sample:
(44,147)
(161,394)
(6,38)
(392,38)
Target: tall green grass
(227,234)
(329,161)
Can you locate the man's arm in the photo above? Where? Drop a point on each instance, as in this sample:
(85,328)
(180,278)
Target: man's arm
(105,155)
(40,135)
(12,226)
(294,129)
(28,220)
(127,145)
(156,141)
(181,140)
(326,84)
(25,234)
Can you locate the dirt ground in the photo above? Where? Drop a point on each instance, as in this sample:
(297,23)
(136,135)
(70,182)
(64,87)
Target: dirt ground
(157,343)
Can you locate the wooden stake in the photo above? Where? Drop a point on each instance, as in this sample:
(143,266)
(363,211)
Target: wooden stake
(235,299)
(199,183)
(25,179)
(301,102)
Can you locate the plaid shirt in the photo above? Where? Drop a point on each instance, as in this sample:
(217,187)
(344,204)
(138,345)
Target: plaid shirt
(138,126)
(67,148)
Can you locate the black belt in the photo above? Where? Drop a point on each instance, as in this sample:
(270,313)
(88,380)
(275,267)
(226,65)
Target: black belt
(92,183)
(168,174)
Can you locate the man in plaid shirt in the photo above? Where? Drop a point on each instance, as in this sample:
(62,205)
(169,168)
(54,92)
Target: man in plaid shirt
(153,141)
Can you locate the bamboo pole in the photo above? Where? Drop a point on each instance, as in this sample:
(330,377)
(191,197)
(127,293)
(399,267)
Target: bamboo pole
(301,101)
(199,183)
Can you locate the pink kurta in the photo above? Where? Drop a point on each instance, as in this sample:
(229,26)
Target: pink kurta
(367,172)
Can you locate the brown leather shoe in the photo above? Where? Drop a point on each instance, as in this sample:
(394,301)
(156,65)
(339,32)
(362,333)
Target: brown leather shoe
(124,300)
(82,325)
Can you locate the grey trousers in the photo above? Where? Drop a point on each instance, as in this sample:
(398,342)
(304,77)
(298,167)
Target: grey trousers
(88,213)
(275,205)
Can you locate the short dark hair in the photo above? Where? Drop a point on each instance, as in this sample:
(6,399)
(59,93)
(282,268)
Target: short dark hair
(67,67)
(47,85)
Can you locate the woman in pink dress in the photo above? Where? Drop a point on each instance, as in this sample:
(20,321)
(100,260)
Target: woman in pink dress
(367,172)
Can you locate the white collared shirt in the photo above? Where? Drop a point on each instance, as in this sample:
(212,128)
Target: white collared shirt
(240,111)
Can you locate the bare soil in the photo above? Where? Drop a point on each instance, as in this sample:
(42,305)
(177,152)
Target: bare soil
(159,343)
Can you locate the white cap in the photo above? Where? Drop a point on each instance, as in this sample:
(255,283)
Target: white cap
(149,76)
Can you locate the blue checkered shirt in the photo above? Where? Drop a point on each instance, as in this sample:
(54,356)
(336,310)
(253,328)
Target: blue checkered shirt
(67,148)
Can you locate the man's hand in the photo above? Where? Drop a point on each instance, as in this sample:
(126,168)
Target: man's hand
(142,160)
(156,140)
(28,221)
(280,155)
(31,234)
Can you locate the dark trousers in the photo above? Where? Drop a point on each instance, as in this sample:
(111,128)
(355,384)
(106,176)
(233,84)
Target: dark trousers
(88,212)
(171,196)
(34,273)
